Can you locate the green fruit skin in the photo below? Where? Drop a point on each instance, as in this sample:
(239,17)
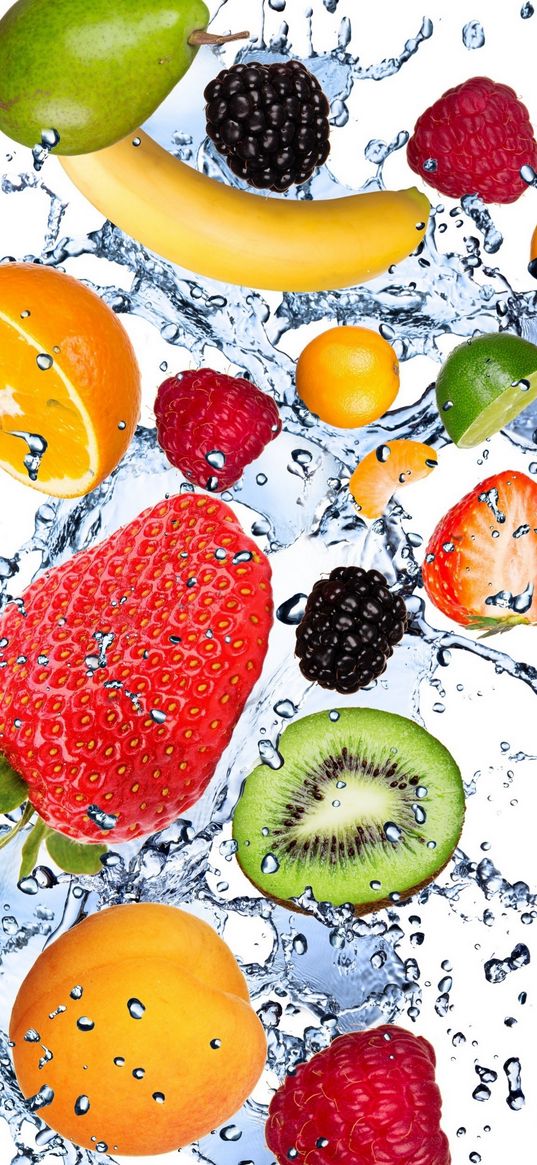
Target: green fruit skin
(93,70)
(471,387)
(313,737)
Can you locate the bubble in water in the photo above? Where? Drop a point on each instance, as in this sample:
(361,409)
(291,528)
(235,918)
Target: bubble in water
(300,944)
(527,10)
(41,1099)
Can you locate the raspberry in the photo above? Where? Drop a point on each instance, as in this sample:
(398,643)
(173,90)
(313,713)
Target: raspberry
(349,628)
(368,1099)
(474,140)
(270,122)
(211,426)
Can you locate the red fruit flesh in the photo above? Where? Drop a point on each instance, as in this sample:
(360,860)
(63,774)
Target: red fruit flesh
(478,135)
(128,667)
(486,545)
(368,1099)
(211,426)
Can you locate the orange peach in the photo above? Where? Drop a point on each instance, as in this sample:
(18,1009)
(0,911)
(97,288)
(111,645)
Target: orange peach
(142,1022)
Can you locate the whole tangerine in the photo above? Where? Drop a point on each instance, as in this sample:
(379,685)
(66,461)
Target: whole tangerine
(348,376)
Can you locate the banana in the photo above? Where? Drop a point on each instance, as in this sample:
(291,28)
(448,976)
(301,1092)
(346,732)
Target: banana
(242,238)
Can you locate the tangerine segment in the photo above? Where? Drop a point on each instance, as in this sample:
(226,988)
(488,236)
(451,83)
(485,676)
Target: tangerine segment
(388,467)
(348,376)
(154,1020)
(69,382)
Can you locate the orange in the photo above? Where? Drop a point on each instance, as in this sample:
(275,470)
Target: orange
(380,473)
(69,382)
(148,1019)
(348,376)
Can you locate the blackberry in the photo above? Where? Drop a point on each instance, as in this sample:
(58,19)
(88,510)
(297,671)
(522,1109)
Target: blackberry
(270,122)
(350,626)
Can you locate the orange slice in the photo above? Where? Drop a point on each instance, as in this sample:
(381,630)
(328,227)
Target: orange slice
(69,382)
(380,473)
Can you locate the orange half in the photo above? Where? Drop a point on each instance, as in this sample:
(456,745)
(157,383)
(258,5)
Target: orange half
(69,382)
(386,469)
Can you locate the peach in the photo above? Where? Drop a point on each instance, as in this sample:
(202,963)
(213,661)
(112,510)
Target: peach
(142,1022)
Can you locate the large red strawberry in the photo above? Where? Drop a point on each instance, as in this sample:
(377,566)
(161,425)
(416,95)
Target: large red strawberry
(480,566)
(368,1099)
(126,669)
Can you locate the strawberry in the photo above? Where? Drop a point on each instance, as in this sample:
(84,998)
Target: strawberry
(211,426)
(474,140)
(370,1098)
(126,669)
(480,565)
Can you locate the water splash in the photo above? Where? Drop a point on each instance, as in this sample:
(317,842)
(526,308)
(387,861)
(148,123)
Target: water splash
(325,971)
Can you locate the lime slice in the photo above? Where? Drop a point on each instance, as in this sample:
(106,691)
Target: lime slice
(484,384)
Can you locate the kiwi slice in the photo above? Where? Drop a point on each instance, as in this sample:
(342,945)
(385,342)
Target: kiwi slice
(366,808)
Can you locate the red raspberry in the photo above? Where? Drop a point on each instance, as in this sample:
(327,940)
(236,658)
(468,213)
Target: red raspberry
(211,426)
(368,1099)
(478,135)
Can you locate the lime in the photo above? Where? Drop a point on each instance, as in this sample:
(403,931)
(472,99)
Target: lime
(484,384)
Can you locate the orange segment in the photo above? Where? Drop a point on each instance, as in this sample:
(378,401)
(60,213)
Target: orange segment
(380,473)
(69,382)
(348,376)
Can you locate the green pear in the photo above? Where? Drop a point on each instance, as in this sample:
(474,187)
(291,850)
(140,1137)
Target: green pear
(92,70)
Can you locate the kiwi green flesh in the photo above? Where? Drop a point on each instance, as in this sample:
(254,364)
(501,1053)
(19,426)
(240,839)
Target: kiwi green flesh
(322,820)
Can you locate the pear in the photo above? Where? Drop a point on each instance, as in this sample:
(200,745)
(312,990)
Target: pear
(91,71)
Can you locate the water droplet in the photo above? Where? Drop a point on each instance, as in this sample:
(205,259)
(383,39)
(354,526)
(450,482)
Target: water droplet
(292,610)
(138,1073)
(215,1044)
(77,992)
(286,709)
(32,1036)
(82,1105)
(375,885)
(270,864)
(215,458)
(527,10)
(136,142)
(300,944)
(430,165)
(392,832)
(382,453)
(122,425)
(44,361)
(100,818)
(269,754)
(448,404)
(119,1061)
(85,1024)
(135,1008)
(41,1099)
(242,556)
(261,478)
(230,1133)
(220,554)
(159,1097)
(157,715)
(473,36)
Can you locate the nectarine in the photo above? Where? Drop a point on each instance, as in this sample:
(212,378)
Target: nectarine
(135,1031)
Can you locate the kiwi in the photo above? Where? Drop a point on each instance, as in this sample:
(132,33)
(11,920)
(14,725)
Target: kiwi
(366,808)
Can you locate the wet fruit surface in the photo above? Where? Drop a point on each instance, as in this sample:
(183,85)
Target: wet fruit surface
(166,1031)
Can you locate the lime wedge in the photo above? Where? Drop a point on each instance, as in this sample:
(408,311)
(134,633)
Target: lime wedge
(484,384)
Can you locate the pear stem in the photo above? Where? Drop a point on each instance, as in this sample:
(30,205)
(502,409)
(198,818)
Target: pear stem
(23,820)
(201,36)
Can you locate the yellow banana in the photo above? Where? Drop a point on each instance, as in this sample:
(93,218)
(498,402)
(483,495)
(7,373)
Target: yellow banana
(238,237)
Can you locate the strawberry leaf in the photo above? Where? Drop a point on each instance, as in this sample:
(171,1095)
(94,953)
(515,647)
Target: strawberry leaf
(31,847)
(495,626)
(75,857)
(13,790)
